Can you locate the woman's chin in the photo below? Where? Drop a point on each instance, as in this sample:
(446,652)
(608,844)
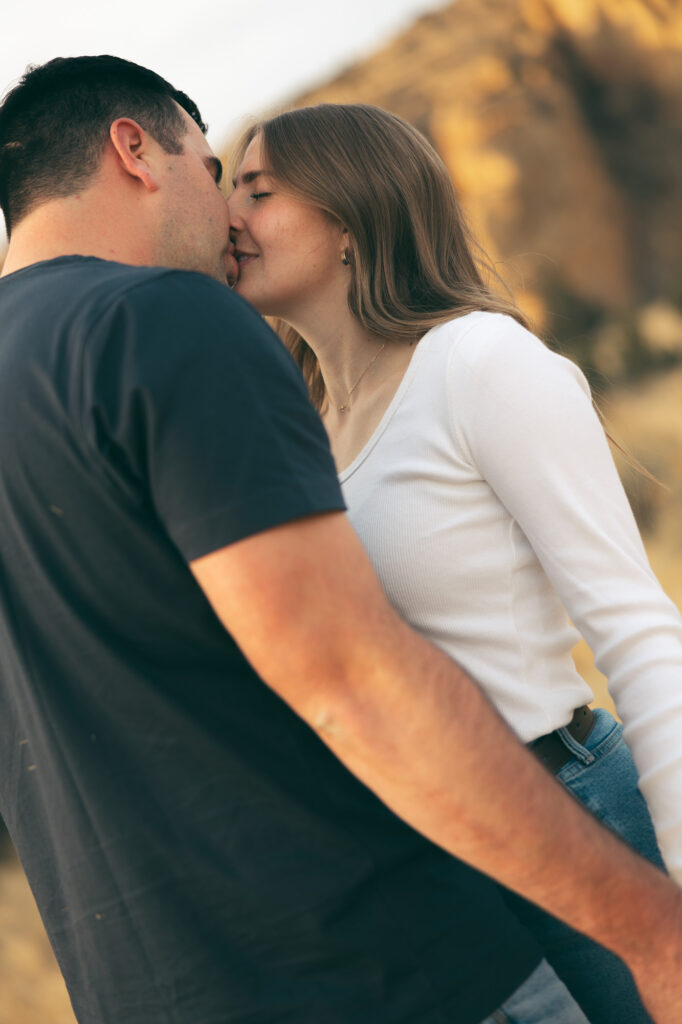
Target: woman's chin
(241,288)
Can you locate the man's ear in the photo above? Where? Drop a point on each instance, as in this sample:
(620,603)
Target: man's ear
(131,143)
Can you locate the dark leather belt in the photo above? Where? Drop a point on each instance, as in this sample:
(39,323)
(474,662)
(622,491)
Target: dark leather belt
(551,751)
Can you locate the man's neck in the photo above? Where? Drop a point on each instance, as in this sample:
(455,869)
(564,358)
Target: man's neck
(17,259)
(75,227)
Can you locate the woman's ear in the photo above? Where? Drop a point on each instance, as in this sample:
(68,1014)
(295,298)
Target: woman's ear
(131,143)
(346,252)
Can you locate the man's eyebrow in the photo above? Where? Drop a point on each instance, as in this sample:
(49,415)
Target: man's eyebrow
(248,177)
(215,167)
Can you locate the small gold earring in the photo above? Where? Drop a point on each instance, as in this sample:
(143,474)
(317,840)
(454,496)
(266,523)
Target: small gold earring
(345,258)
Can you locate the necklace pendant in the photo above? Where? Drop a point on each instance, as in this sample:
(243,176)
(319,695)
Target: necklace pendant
(344,407)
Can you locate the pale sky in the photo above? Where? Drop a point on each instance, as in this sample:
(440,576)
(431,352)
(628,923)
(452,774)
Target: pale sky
(233,58)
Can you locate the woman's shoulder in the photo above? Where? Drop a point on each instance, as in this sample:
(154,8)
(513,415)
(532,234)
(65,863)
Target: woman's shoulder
(482,358)
(495,346)
(479,334)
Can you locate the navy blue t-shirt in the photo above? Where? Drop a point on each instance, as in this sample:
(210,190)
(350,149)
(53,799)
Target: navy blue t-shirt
(197,854)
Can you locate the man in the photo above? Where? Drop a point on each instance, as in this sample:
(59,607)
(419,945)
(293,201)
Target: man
(188,627)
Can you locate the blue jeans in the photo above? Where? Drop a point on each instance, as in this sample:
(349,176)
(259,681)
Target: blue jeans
(602,775)
(542,999)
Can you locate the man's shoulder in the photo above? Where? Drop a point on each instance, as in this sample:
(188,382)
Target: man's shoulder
(178,301)
(101,301)
(105,281)
(155,320)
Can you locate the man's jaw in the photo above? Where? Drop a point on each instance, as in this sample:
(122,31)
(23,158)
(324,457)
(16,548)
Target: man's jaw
(231,267)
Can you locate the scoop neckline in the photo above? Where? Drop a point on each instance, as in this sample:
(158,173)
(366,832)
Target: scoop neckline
(407,378)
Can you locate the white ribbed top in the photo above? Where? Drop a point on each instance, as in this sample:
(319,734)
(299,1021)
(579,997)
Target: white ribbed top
(492,511)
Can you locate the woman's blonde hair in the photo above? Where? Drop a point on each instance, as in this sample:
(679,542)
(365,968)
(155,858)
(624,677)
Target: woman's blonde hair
(413,261)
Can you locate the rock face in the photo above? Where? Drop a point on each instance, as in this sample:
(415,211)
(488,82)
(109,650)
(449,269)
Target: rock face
(561,123)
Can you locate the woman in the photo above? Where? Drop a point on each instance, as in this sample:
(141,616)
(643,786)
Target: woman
(474,468)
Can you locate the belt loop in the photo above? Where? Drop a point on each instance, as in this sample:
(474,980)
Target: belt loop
(556,748)
(575,746)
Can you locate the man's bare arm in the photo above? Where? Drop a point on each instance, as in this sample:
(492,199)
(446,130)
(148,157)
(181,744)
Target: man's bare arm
(303,603)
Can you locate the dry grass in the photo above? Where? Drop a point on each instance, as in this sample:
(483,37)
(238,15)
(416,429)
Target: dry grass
(31,987)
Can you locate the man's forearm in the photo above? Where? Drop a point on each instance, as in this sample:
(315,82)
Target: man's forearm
(440,756)
(417,731)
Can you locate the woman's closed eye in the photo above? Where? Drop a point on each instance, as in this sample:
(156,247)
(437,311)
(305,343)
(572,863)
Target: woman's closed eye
(259,195)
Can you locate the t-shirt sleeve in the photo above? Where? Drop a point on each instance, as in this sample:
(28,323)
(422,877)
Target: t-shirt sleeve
(197,410)
(526,419)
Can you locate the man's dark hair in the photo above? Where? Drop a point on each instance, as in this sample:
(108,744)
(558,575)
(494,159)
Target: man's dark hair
(55,123)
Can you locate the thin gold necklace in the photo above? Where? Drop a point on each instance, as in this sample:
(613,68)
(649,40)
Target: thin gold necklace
(344,406)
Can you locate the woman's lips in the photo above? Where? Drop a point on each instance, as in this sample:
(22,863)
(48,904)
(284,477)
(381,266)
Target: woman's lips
(245,257)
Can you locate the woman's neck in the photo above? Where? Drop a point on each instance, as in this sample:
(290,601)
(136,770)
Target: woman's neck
(353,362)
(361,373)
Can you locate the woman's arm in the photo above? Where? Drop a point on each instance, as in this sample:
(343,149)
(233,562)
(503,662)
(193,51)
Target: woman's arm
(527,418)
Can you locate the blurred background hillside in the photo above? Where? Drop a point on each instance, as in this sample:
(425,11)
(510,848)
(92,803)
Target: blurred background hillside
(561,123)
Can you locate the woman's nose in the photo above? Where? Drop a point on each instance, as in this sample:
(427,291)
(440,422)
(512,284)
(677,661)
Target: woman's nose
(233,206)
